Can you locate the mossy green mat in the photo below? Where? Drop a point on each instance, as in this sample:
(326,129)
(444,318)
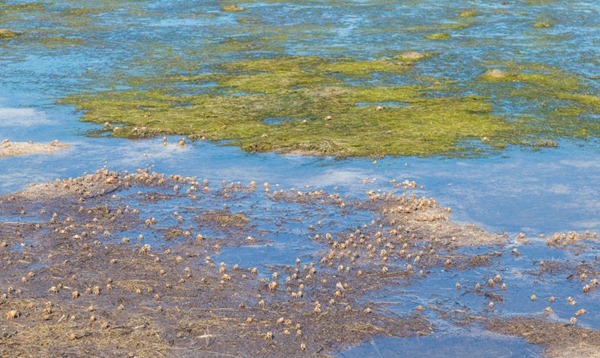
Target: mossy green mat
(321,106)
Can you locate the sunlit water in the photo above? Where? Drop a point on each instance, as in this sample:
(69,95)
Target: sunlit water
(518,190)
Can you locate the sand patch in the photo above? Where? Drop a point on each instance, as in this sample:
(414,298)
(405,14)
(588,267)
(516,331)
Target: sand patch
(9,149)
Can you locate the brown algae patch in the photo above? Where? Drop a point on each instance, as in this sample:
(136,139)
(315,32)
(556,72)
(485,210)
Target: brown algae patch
(119,300)
(560,340)
(129,263)
(6,34)
(9,149)
(410,237)
(89,186)
(424,217)
(224,218)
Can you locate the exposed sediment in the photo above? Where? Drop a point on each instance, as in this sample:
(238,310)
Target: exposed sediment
(561,340)
(102,261)
(68,275)
(9,149)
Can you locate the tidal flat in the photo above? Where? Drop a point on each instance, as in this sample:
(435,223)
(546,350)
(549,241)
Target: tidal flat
(130,263)
(333,178)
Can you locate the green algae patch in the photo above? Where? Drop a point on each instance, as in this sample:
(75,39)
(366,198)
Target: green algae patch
(440,28)
(440,36)
(558,103)
(583,99)
(324,114)
(538,82)
(329,106)
(542,25)
(61,42)
(6,9)
(468,13)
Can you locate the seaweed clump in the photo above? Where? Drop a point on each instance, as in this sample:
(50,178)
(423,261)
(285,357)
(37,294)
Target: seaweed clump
(306,105)
(439,36)
(556,104)
(349,107)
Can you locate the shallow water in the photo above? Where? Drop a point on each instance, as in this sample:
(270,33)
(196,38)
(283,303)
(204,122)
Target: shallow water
(447,345)
(517,190)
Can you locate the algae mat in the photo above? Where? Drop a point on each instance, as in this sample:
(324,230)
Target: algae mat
(341,79)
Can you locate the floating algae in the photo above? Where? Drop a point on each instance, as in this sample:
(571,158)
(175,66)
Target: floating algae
(310,90)
(558,100)
(561,340)
(233,8)
(439,36)
(468,13)
(224,86)
(323,103)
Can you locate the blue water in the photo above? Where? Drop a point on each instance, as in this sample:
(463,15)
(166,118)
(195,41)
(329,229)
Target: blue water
(517,190)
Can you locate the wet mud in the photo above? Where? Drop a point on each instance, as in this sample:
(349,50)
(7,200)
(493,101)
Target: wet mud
(72,284)
(130,263)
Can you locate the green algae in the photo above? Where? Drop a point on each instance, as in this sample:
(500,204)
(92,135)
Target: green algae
(57,25)
(559,106)
(468,13)
(439,36)
(534,81)
(442,27)
(327,106)
(191,89)
(56,42)
(322,112)
(6,9)
(238,46)
(543,25)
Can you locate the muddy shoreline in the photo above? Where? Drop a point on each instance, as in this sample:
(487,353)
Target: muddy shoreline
(79,274)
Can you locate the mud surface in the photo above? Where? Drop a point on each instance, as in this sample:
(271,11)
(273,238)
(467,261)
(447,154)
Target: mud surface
(147,264)
(73,284)
(561,339)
